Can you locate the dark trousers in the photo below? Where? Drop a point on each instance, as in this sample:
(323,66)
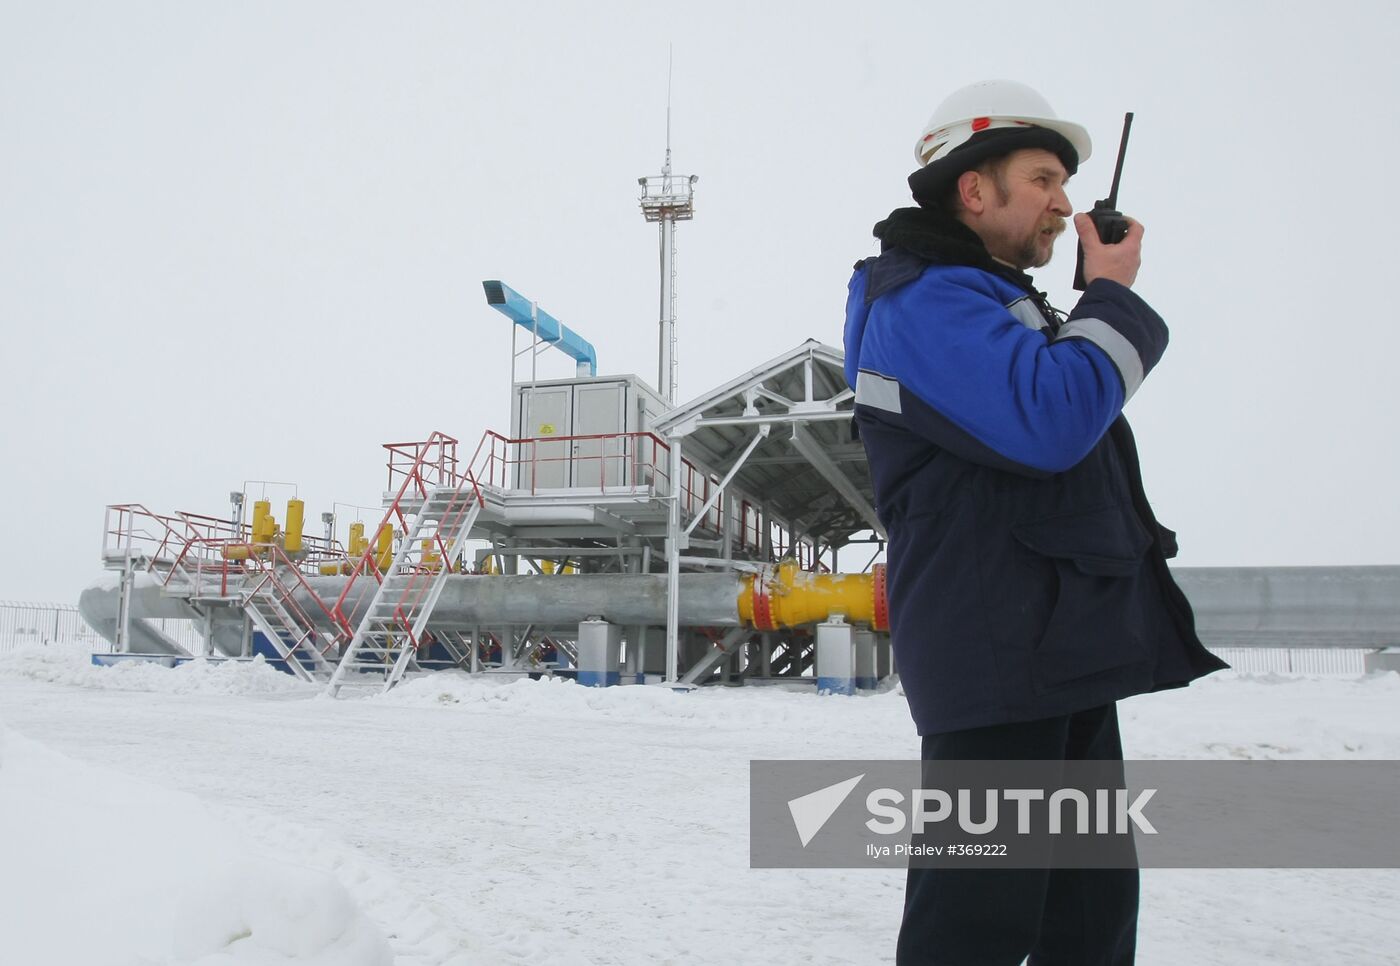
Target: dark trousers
(998,917)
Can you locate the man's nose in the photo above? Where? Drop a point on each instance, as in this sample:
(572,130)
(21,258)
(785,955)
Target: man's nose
(1060,203)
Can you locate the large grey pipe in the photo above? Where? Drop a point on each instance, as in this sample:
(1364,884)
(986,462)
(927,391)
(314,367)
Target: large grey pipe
(1235,606)
(99,606)
(1294,606)
(467,601)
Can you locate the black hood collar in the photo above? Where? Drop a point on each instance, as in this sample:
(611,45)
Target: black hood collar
(933,235)
(936,236)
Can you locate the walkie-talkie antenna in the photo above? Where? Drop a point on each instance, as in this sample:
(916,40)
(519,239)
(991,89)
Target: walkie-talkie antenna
(1109,223)
(1112,200)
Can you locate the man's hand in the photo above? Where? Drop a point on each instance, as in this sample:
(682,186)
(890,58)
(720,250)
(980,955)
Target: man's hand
(1118,262)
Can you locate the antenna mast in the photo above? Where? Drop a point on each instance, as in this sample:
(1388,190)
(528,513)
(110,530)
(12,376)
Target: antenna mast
(667,199)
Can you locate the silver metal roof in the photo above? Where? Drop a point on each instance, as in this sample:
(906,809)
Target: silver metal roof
(808,470)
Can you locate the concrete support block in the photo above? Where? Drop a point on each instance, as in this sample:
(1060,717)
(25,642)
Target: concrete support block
(867,675)
(599,654)
(836,658)
(632,668)
(884,656)
(1386,659)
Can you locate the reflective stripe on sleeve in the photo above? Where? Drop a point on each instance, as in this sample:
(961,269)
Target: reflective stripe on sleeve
(877,392)
(1027,314)
(1114,344)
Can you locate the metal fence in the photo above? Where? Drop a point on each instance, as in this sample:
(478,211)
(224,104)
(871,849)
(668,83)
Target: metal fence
(1294,660)
(31,623)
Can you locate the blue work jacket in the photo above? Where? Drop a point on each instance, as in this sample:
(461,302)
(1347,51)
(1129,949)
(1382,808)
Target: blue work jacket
(1027,573)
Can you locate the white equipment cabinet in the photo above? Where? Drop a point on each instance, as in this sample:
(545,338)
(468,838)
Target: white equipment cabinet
(554,419)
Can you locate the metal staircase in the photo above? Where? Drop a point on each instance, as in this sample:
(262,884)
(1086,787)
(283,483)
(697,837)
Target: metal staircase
(385,633)
(271,601)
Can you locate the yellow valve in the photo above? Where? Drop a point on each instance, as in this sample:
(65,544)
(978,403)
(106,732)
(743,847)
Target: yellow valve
(789,597)
(291,542)
(264,526)
(358,543)
(384,547)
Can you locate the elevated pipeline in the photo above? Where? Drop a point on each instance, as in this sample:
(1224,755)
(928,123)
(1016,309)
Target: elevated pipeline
(781,597)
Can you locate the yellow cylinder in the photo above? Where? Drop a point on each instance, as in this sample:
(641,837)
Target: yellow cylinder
(237,551)
(358,543)
(291,542)
(384,547)
(263,524)
(789,597)
(330,570)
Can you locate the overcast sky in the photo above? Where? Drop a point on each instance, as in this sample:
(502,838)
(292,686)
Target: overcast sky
(245,241)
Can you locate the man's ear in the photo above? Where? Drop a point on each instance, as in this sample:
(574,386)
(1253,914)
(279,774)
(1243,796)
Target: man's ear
(970,192)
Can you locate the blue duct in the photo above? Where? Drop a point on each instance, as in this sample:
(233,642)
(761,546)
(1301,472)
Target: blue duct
(517,308)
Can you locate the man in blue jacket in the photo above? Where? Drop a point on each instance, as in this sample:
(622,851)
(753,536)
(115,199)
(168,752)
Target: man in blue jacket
(1028,584)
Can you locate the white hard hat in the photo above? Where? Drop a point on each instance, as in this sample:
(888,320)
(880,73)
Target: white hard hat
(990,105)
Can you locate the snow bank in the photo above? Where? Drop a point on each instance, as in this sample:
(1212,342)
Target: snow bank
(71,666)
(1267,716)
(562,697)
(523,822)
(108,870)
(1297,717)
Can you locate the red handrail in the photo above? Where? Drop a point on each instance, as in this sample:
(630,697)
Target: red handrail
(435,460)
(645,453)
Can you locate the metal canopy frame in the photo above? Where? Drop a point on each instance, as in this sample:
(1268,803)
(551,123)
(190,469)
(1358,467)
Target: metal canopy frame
(811,474)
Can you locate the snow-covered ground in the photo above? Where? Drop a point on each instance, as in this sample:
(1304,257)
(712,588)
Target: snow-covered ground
(229,815)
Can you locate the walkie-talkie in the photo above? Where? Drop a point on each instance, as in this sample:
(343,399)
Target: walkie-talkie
(1112,226)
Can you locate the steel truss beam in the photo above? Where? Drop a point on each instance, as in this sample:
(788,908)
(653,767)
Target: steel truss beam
(723,648)
(839,481)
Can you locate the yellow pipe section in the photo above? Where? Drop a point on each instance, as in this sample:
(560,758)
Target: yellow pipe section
(790,597)
(291,541)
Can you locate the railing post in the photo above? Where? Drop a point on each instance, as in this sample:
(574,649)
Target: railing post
(673,566)
(123,641)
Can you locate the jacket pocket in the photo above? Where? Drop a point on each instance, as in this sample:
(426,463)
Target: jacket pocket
(1097,622)
(1167,540)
